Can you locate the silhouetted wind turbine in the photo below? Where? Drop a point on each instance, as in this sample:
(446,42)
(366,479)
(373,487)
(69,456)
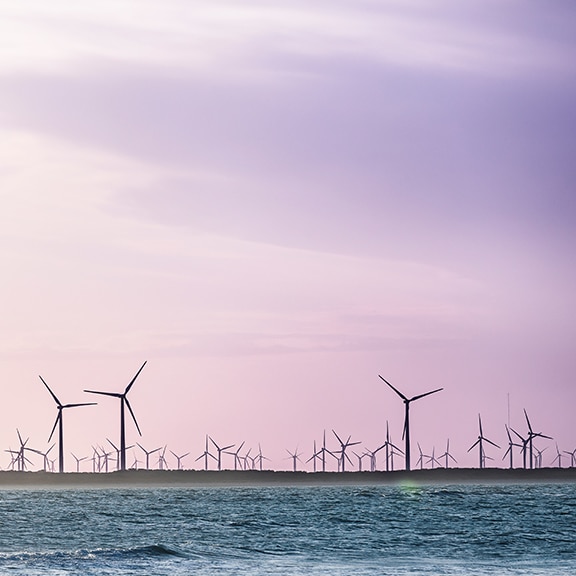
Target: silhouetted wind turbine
(420,461)
(123,402)
(46,465)
(325,451)
(179,458)
(406,432)
(531,436)
(21,458)
(558,457)
(78,460)
(572,457)
(237,459)
(260,457)
(360,457)
(148,454)
(295,456)
(447,455)
(539,454)
(432,459)
(524,447)
(314,457)
(511,444)
(60,423)
(343,455)
(480,441)
(205,455)
(220,451)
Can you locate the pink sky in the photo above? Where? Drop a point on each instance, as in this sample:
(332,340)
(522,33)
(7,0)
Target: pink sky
(274,203)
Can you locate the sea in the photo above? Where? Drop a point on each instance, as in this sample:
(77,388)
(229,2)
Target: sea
(291,531)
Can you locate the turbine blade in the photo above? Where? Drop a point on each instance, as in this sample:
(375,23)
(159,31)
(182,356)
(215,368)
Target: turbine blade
(480,425)
(528,421)
(490,442)
(339,439)
(425,394)
(132,414)
(55,424)
(113,394)
(49,390)
(517,434)
(395,389)
(81,404)
(134,379)
(473,445)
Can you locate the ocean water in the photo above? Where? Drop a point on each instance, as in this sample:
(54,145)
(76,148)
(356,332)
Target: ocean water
(257,531)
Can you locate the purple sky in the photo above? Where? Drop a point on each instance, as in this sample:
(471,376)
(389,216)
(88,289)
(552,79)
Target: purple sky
(273,203)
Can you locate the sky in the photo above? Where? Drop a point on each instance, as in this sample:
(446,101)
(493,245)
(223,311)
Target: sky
(273,203)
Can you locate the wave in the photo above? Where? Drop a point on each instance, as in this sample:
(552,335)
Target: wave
(134,552)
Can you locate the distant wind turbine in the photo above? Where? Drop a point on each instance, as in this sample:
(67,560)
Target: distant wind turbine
(78,460)
(343,455)
(479,443)
(295,457)
(406,432)
(531,436)
(60,423)
(205,455)
(148,454)
(220,451)
(179,458)
(511,445)
(123,397)
(447,455)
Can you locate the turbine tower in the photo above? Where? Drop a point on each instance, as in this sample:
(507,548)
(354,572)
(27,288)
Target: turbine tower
(60,423)
(123,402)
(406,432)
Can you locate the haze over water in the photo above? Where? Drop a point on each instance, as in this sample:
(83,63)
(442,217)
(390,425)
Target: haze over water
(456,530)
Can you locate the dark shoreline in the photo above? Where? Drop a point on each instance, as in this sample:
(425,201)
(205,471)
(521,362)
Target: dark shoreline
(201,478)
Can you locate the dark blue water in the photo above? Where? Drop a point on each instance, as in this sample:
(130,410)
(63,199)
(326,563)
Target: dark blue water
(456,530)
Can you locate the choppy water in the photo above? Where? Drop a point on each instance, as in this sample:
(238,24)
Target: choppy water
(456,530)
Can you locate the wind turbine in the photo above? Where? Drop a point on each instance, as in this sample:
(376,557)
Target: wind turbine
(179,458)
(531,436)
(406,432)
(539,454)
(44,455)
(314,457)
(447,455)
(237,459)
(524,447)
(480,441)
(323,451)
(162,464)
(360,457)
(260,457)
(78,460)
(572,457)
(123,402)
(420,461)
(343,455)
(148,454)
(511,444)
(558,457)
(432,460)
(20,456)
(60,423)
(220,451)
(295,456)
(205,455)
